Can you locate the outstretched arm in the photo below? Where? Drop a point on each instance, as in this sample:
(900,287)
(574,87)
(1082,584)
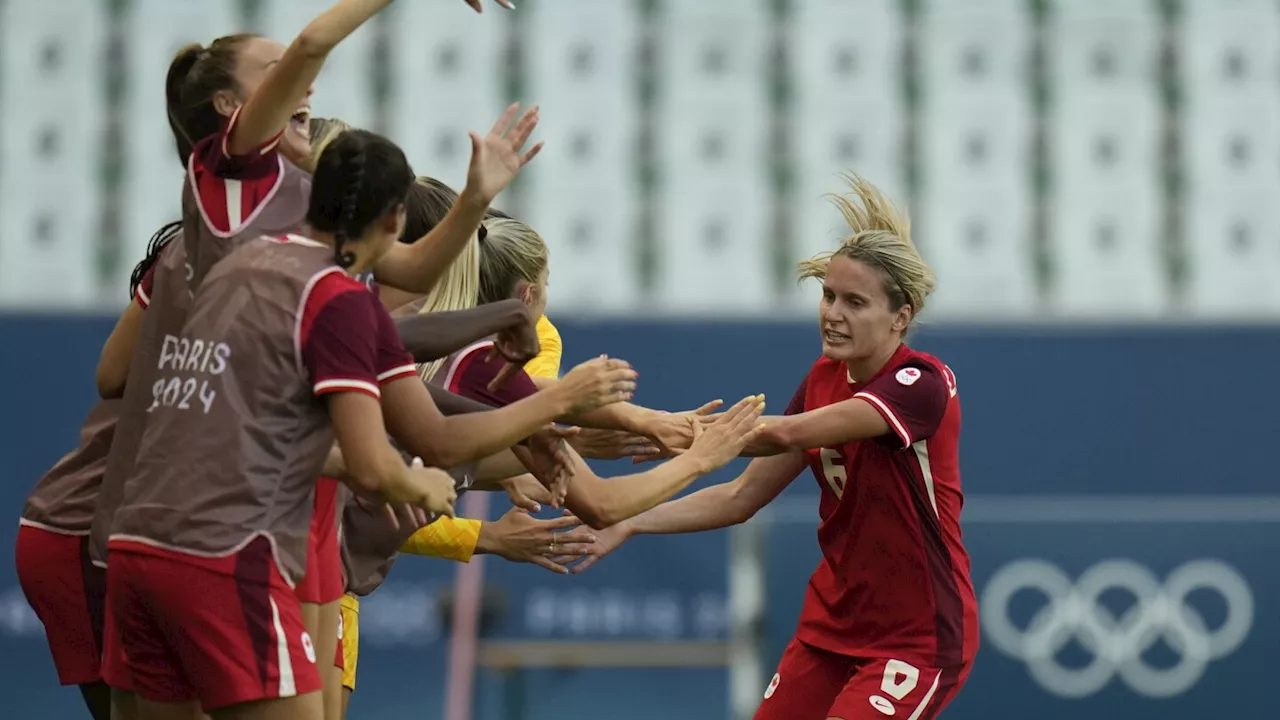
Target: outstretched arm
(708,509)
(848,421)
(269,109)
(495,161)
(417,425)
(117,353)
(434,335)
(603,502)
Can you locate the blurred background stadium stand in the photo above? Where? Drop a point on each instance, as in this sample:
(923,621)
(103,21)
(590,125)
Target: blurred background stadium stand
(1096,183)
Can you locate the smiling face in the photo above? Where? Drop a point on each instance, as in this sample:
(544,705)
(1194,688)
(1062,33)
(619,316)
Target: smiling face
(856,316)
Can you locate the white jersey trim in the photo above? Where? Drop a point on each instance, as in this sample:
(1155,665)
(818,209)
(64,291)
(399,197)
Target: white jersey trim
(894,422)
(393,373)
(921,448)
(457,360)
(204,214)
(340,384)
(302,309)
(288,685)
(50,528)
(275,550)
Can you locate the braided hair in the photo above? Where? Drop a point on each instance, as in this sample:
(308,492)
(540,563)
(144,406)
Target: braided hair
(359,177)
(156,244)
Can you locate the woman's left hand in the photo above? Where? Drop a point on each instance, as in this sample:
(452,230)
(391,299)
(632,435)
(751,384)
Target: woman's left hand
(496,158)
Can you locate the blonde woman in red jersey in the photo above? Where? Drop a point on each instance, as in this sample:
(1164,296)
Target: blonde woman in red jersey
(890,623)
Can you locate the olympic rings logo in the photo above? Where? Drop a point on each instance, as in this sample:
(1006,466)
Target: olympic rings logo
(1117,643)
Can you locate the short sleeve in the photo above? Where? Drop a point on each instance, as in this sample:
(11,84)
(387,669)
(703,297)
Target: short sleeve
(547,363)
(142,294)
(796,406)
(911,397)
(474,371)
(216,156)
(339,338)
(394,361)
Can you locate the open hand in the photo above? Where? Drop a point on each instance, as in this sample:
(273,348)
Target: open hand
(597,383)
(547,456)
(724,439)
(517,344)
(496,158)
(551,544)
(525,492)
(606,541)
(599,444)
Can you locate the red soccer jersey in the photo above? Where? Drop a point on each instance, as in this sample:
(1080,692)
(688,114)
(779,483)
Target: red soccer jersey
(231,189)
(348,340)
(894,577)
(471,371)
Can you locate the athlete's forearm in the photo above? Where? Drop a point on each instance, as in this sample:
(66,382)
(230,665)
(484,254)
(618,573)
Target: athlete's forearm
(117,353)
(707,509)
(618,416)
(320,36)
(434,335)
(452,404)
(603,502)
(772,439)
(464,438)
(416,268)
(269,109)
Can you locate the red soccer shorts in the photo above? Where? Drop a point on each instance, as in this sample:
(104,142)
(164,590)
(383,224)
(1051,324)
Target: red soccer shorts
(813,684)
(224,631)
(68,594)
(323,581)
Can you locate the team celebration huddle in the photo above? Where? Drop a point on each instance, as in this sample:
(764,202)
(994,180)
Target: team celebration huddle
(326,350)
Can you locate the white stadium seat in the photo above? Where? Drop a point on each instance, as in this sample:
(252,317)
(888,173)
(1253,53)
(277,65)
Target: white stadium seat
(1231,157)
(581,192)
(153,171)
(712,233)
(1106,245)
(847,113)
(449,79)
(345,88)
(51,55)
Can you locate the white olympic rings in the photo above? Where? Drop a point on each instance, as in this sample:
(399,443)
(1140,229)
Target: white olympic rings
(1117,644)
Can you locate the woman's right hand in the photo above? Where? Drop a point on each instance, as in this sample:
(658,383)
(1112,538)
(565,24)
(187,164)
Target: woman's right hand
(596,383)
(722,440)
(431,489)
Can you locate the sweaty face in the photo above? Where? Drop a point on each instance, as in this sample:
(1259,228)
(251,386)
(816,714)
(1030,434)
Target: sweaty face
(854,316)
(256,58)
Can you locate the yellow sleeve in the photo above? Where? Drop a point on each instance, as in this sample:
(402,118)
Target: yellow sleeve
(547,363)
(448,538)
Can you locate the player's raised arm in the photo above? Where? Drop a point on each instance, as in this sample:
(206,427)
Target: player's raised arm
(288,83)
(495,161)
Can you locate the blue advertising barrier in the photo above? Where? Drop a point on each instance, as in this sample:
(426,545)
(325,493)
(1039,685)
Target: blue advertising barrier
(1120,497)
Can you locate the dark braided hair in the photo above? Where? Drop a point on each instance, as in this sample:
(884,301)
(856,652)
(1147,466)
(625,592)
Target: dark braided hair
(359,178)
(156,244)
